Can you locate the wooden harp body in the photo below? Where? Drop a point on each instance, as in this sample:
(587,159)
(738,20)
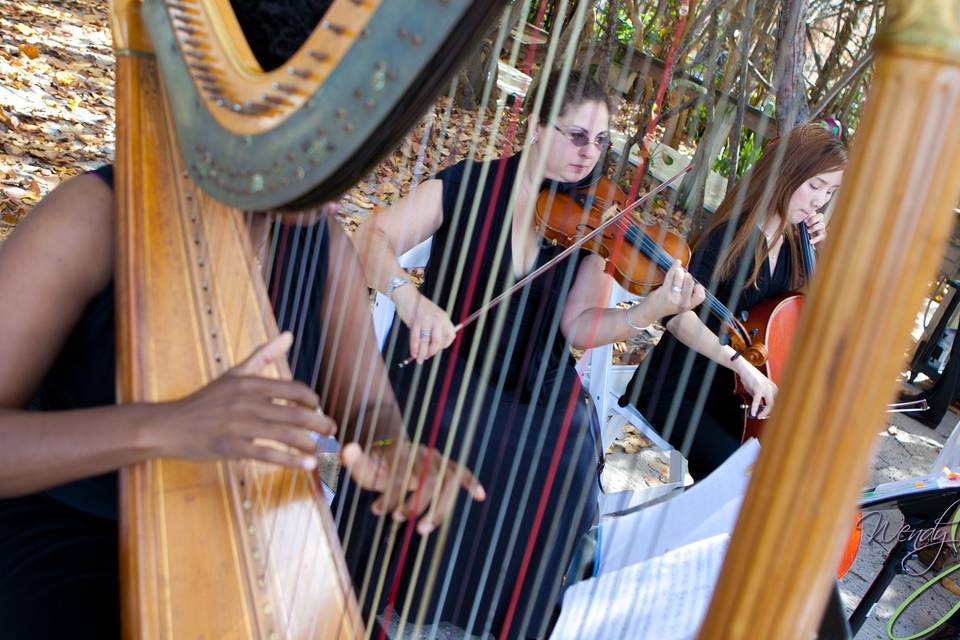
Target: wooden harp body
(240,549)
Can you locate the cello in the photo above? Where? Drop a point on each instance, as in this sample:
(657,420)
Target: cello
(772,323)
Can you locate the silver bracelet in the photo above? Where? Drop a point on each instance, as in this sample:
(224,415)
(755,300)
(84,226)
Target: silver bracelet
(394,284)
(626,318)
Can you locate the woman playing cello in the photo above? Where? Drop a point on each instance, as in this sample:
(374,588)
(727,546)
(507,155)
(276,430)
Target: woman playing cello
(764,232)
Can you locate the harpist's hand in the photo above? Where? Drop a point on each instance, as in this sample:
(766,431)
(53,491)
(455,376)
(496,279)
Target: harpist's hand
(238,416)
(430,326)
(761,389)
(817,227)
(431,484)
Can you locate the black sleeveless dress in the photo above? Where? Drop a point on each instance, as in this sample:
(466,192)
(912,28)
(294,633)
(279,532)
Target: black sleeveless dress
(59,573)
(531,444)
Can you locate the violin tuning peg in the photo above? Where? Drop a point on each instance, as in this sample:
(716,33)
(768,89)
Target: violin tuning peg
(743,315)
(753,333)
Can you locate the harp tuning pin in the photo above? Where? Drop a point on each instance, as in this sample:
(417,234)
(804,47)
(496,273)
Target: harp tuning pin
(320,56)
(300,73)
(402,32)
(416,40)
(336,28)
(341,113)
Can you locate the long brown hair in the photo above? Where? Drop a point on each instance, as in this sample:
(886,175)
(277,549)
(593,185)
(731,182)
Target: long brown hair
(810,150)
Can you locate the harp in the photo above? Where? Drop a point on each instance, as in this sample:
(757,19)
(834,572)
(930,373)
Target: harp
(205,133)
(180,583)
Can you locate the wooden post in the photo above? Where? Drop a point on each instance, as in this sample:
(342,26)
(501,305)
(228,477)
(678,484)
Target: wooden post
(889,232)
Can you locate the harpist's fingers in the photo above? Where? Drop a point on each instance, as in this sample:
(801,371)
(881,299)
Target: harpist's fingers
(366,471)
(418,501)
(266,354)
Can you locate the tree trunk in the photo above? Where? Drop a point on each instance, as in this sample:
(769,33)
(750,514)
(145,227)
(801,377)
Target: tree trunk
(791,93)
(609,42)
(835,58)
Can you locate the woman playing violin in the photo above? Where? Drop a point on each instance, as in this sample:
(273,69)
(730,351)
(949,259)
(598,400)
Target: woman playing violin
(805,176)
(526,418)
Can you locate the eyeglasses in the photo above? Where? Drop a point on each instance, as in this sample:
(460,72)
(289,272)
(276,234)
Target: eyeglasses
(580,138)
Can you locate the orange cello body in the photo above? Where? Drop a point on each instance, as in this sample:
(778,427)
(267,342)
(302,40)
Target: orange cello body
(774,320)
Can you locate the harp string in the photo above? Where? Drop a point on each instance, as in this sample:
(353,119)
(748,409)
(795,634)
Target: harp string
(418,373)
(458,410)
(484,234)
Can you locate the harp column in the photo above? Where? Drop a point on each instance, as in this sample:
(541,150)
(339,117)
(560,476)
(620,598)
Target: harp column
(887,236)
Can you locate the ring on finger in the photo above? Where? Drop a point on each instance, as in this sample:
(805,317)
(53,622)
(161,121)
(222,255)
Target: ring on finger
(676,289)
(425,333)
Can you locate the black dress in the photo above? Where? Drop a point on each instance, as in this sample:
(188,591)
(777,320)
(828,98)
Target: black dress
(59,574)
(652,390)
(532,447)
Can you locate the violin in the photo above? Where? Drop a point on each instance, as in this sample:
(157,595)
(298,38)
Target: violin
(638,255)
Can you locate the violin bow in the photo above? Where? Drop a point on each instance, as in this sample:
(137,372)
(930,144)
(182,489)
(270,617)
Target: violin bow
(562,255)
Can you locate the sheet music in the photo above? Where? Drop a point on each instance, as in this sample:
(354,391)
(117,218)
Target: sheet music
(664,598)
(708,508)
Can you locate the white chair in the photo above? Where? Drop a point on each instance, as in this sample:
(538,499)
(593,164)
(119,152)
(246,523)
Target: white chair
(606,382)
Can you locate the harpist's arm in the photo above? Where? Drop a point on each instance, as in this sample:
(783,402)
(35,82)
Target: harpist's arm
(56,261)
(358,395)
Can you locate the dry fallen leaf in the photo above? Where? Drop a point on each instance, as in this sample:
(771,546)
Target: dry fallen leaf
(29,50)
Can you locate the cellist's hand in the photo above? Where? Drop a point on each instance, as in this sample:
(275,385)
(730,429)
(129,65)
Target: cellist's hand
(678,293)
(817,226)
(383,469)
(762,389)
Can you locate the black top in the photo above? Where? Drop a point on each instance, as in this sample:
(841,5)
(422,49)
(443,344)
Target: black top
(531,331)
(662,379)
(84,372)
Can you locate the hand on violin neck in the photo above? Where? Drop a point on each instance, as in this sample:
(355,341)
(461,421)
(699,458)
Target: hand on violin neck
(678,293)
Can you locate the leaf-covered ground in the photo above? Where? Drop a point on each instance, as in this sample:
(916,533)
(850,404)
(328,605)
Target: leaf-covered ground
(57,119)
(56,98)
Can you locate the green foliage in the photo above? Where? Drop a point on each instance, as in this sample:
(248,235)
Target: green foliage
(749,152)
